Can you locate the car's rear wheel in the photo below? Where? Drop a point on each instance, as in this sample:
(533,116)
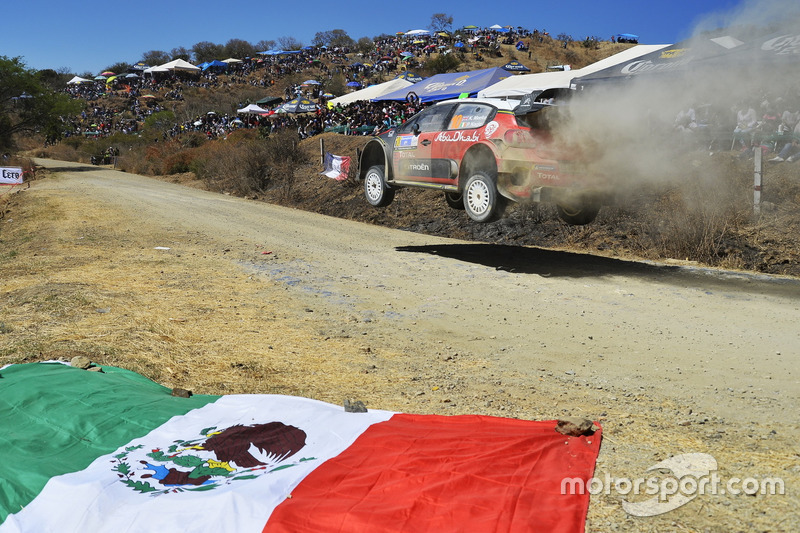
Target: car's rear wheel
(578,214)
(454,200)
(376,191)
(481,200)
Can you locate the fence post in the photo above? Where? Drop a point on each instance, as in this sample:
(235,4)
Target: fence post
(757,176)
(322,151)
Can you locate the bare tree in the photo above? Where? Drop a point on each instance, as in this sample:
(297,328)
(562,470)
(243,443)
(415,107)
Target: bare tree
(333,39)
(239,49)
(365,45)
(181,53)
(206,51)
(441,22)
(289,43)
(119,67)
(264,45)
(155,57)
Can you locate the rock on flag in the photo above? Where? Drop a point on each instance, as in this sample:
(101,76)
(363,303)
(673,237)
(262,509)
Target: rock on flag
(336,166)
(89,451)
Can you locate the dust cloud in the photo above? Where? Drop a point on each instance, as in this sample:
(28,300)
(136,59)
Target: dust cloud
(637,128)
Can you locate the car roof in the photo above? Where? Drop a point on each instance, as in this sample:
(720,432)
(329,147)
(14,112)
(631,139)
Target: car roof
(499,103)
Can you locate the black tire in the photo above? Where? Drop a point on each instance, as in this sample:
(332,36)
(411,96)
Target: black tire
(579,214)
(482,202)
(377,193)
(454,200)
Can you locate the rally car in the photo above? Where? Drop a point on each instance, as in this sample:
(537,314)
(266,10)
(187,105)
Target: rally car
(482,153)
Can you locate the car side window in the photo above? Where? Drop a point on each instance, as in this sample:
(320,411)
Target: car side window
(470,116)
(432,119)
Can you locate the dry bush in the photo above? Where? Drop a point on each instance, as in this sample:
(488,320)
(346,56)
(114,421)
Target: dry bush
(697,220)
(64,152)
(136,162)
(245,165)
(170,157)
(781,188)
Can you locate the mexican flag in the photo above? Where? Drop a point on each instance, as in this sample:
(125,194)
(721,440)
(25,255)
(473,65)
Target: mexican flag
(88,451)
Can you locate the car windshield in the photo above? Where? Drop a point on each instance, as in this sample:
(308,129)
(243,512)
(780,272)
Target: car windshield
(431,119)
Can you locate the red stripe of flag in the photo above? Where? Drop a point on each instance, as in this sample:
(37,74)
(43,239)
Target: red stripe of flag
(440,474)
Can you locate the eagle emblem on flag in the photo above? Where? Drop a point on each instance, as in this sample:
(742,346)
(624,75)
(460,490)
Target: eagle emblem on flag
(217,457)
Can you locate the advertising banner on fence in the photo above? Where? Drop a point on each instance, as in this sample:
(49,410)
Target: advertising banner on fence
(10,175)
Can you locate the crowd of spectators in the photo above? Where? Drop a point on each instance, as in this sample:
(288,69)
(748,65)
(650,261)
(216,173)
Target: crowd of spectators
(146,94)
(770,122)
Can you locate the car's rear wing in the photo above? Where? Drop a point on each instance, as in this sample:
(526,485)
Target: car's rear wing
(528,104)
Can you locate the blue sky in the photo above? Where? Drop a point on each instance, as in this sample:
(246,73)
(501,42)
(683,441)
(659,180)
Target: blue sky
(88,36)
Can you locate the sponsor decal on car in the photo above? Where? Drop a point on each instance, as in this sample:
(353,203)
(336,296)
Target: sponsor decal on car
(405,142)
(547,176)
(490,128)
(457,136)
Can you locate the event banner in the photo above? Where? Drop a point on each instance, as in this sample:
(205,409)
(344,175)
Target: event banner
(10,175)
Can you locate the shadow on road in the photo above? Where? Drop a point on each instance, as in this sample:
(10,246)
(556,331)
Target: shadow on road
(553,263)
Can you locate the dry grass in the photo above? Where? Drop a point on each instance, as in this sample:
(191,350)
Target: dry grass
(182,319)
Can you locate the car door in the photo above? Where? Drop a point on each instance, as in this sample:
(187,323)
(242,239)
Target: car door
(464,128)
(413,155)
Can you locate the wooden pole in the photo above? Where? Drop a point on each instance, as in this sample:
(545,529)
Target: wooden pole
(757,172)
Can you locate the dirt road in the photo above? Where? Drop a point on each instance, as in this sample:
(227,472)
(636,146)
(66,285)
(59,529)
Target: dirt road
(671,359)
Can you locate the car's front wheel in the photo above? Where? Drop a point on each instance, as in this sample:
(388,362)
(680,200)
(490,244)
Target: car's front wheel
(481,200)
(578,214)
(376,191)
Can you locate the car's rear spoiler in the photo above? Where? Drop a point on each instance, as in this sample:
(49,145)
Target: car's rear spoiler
(528,104)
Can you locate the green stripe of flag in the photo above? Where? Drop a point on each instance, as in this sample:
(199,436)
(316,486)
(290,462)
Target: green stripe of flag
(56,419)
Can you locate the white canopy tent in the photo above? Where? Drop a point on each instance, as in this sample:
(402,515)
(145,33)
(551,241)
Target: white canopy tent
(157,68)
(78,80)
(179,64)
(626,55)
(373,91)
(518,86)
(252,109)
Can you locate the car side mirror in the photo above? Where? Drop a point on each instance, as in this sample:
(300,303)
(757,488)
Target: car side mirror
(415,129)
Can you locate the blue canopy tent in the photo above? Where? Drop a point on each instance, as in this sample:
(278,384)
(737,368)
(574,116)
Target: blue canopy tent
(450,85)
(627,38)
(279,52)
(215,65)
